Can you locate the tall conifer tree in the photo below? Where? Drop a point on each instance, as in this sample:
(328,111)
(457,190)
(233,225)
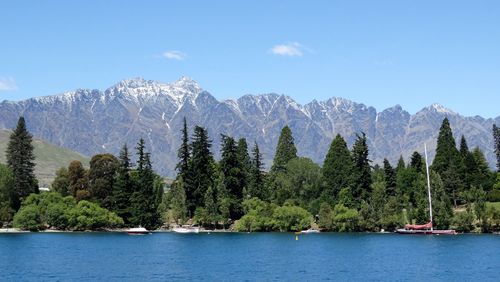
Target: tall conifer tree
(256,175)
(200,169)
(401,164)
(417,162)
(184,153)
(285,150)
(468,164)
(337,168)
(231,167)
(448,163)
(123,187)
(246,163)
(390,178)
(20,159)
(361,169)
(446,151)
(144,197)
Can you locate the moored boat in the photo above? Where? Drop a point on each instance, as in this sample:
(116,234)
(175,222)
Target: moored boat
(186,230)
(425,229)
(138,231)
(309,231)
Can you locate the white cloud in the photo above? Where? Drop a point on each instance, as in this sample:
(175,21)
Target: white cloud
(174,55)
(292,49)
(7,84)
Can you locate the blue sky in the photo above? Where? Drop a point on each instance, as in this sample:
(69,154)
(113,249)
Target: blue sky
(380,53)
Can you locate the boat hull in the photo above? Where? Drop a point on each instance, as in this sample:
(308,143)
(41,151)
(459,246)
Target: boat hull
(186,230)
(426,232)
(138,233)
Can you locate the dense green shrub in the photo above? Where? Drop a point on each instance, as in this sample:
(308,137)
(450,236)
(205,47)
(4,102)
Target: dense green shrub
(51,210)
(28,218)
(291,218)
(463,221)
(261,216)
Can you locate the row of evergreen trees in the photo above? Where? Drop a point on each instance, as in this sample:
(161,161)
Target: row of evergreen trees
(347,193)
(216,189)
(382,197)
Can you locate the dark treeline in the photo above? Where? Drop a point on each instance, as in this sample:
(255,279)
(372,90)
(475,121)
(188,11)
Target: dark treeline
(348,193)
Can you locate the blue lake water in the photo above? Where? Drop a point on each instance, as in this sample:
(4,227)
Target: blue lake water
(248,257)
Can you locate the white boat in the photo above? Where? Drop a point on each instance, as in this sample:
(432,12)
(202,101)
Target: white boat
(138,231)
(308,231)
(186,230)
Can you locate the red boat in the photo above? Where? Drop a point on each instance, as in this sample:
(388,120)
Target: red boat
(425,229)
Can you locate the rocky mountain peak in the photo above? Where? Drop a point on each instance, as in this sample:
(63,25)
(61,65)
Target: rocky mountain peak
(94,121)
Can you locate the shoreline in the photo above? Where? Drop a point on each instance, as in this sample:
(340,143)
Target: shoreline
(124,231)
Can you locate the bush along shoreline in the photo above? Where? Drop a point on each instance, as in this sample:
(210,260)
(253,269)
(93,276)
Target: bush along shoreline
(347,194)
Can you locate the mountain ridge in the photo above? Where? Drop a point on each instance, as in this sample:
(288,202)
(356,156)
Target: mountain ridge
(93,121)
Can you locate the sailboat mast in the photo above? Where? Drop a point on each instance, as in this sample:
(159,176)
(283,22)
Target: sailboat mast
(428,186)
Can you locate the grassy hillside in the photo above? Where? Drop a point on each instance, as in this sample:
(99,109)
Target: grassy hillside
(49,158)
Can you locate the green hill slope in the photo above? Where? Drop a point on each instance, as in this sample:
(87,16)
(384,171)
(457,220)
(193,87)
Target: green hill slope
(49,158)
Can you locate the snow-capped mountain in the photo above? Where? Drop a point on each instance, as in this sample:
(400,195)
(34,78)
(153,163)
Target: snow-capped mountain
(94,121)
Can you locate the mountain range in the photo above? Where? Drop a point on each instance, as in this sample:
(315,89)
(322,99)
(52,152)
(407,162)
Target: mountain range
(94,121)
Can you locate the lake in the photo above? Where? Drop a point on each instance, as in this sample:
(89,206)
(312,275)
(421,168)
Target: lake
(250,257)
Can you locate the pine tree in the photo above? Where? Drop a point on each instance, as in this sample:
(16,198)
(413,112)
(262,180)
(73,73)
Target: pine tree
(417,162)
(144,197)
(390,178)
(447,162)
(464,148)
(246,163)
(361,169)
(184,153)
(446,151)
(123,187)
(337,168)
(20,159)
(401,164)
(496,138)
(285,150)
(469,165)
(231,167)
(200,169)
(256,175)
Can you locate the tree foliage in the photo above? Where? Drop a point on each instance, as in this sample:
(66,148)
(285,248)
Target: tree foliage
(6,191)
(101,177)
(361,168)
(21,161)
(256,185)
(337,168)
(285,150)
(51,210)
